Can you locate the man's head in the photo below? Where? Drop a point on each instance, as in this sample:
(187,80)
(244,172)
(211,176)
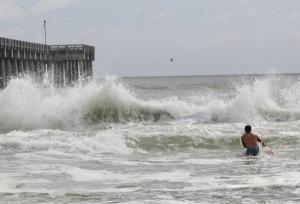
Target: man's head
(247,128)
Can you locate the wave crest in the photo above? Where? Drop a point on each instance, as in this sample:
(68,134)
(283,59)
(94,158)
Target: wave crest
(265,100)
(24,105)
(27,106)
(114,103)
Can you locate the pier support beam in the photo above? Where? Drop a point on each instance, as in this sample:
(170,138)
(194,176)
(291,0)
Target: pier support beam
(26,67)
(20,67)
(14,68)
(2,74)
(8,68)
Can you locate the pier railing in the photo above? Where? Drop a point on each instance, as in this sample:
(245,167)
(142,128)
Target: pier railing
(67,63)
(70,52)
(19,44)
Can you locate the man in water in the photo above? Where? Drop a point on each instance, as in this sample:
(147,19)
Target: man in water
(249,141)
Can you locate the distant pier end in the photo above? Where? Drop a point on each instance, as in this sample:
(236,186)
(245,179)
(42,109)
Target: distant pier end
(65,65)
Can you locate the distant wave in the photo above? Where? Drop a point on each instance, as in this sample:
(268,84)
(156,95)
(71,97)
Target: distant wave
(265,99)
(155,87)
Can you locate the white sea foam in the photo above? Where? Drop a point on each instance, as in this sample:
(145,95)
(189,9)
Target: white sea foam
(26,106)
(235,182)
(103,141)
(99,143)
(259,101)
(80,174)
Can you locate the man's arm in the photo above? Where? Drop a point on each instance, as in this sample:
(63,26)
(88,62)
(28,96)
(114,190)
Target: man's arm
(259,140)
(243,142)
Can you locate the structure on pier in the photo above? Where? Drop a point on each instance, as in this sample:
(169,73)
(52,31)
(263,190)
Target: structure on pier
(64,64)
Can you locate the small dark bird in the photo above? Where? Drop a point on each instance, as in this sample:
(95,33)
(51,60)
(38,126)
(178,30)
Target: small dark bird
(172,59)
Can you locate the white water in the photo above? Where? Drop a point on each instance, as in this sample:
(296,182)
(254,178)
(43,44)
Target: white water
(112,141)
(26,106)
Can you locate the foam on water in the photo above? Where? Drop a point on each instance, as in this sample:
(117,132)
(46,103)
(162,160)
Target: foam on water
(86,175)
(262,100)
(113,113)
(103,141)
(24,105)
(114,103)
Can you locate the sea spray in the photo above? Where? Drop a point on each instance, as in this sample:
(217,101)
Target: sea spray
(114,103)
(259,101)
(26,105)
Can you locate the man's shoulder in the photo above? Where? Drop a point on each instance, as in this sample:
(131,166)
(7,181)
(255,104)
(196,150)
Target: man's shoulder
(248,134)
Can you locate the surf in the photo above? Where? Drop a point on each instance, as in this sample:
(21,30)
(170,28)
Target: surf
(26,105)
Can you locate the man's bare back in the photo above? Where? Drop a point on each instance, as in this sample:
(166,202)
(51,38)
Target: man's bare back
(250,140)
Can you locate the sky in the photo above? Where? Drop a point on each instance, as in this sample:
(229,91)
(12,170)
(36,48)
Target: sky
(138,37)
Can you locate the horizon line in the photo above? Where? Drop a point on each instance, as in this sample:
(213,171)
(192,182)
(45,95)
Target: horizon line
(210,75)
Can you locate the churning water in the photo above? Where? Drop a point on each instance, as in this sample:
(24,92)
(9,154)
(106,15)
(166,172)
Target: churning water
(150,140)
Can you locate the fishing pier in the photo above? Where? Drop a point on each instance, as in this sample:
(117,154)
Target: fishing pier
(65,65)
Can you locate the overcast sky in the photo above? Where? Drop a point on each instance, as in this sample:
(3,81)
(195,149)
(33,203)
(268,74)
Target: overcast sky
(138,37)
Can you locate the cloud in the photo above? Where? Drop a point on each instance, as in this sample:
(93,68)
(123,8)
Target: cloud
(10,9)
(44,6)
(164,13)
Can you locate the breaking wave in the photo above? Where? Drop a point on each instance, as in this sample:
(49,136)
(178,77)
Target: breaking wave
(24,105)
(264,100)
(114,103)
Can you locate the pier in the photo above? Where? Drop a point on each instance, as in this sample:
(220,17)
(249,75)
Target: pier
(65,65)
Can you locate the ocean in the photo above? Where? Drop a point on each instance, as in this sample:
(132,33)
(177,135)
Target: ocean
(150,140)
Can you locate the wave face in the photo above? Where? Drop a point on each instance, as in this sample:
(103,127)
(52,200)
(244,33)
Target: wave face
(24,105)
(114,103)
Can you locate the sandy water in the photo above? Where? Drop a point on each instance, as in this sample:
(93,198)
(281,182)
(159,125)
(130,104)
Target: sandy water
(150,140)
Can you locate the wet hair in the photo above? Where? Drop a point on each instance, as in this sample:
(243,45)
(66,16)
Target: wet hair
(247,128)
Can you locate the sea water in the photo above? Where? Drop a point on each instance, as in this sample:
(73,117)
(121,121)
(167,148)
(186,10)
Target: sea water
(150,140)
